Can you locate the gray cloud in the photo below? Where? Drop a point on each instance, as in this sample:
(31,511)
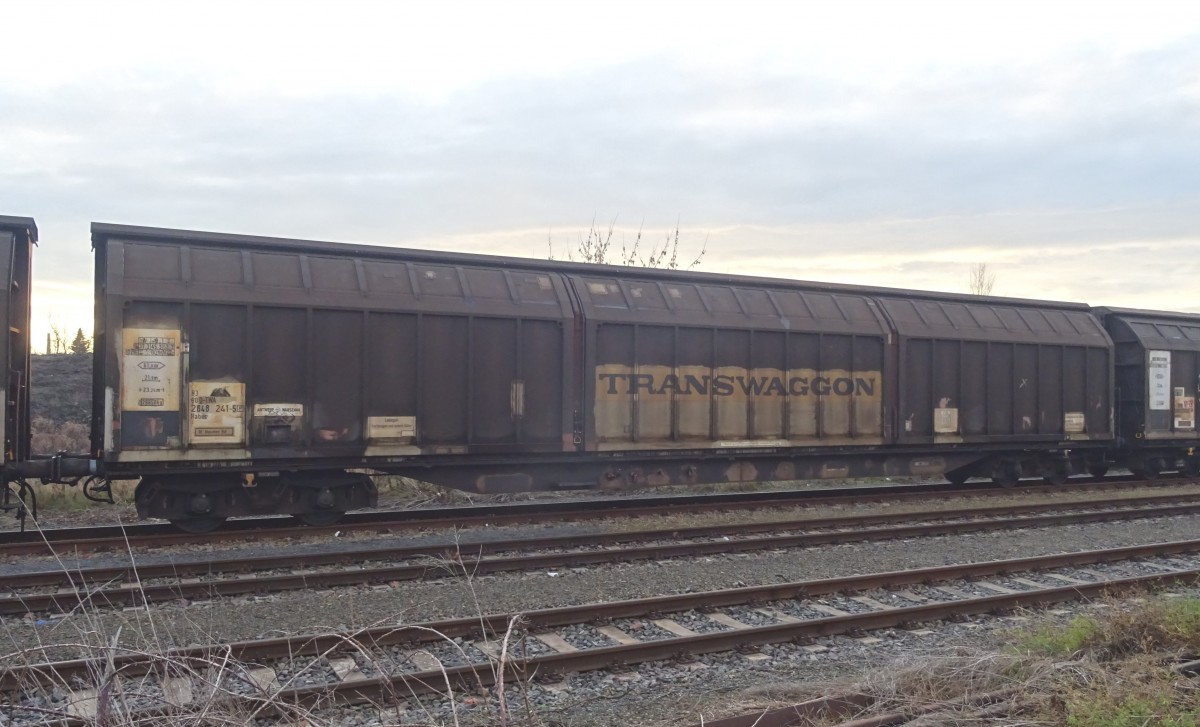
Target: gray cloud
(1100,149)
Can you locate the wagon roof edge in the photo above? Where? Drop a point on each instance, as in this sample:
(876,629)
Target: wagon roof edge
(102,231)
(8,222)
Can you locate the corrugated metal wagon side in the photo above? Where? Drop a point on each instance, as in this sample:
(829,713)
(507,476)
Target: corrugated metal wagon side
(761,382)
(675,363)
(1000,376)
(283,363)
(239,374)
(18,235)
(1157,377)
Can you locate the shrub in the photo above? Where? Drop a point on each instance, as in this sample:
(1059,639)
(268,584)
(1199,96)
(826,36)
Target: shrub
(49,438)
(1057,641)
(1098,710)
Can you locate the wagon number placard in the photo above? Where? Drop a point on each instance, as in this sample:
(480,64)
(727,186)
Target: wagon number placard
(217,412)
(1159,372)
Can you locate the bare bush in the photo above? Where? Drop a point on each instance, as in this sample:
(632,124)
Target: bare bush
(597,247)
(49,438)
(61,388)
(139,674)
(56,340)
(981,280)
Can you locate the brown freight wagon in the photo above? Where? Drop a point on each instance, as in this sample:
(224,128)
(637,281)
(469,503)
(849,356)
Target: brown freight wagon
(1002,373)
(239,374)
(265,369)
(838,381)
(1157,377)
(18,235)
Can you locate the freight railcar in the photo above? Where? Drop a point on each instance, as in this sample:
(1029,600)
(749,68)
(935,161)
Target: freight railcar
(237,375)
(18,235)
(1157,375)
(836,381)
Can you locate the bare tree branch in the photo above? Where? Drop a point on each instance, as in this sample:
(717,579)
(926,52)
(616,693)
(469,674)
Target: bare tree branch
(980,281)
(596,246)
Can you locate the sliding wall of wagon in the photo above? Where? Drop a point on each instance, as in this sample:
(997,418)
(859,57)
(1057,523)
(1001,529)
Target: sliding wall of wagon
(324,350)
(990,372)
(1157,373)
(676,362)
(18,235)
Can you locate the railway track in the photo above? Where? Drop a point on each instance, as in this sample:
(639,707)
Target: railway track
(277,677)
(142,535)
(63,589)
(846,710)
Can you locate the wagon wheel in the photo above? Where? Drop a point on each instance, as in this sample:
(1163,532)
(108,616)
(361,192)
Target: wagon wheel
(1057,473)
(1006,474)
(198,525)
(1191,467)
(957,477)
(1147,469)
(1098,470)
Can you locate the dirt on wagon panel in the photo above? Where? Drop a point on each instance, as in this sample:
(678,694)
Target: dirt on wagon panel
(224,347)
(678,364)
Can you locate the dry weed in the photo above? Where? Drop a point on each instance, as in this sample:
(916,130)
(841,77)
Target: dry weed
(216,689)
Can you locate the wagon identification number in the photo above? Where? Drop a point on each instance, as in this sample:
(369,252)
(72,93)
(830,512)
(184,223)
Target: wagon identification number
(217,412)
(1159,375)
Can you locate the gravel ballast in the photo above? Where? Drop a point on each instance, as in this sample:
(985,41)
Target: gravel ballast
(665,691)
(460,595)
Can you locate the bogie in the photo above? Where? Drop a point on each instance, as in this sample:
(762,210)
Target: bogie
(1006,473)
(1056,472)
(1190,466)
(201,502)
(1147,467)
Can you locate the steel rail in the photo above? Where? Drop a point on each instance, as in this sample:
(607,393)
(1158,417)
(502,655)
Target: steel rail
(813,711)
(492,624)
(384,689)
(162,534)
(989,700)
(455,563)
(81,576)
(844,706)
(389,687)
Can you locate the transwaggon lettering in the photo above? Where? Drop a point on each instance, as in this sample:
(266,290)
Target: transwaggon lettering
(724,385)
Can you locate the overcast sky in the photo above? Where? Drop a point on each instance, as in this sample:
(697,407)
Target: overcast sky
(880,143)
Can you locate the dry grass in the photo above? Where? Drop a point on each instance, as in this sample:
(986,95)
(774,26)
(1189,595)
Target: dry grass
(47,437)
(1117,669)
(1113,668)
(399,491)
(217,690)
(57,496)
(1169,627)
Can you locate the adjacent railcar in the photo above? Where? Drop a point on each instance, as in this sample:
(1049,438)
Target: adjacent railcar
(18,235)
(1157,376)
